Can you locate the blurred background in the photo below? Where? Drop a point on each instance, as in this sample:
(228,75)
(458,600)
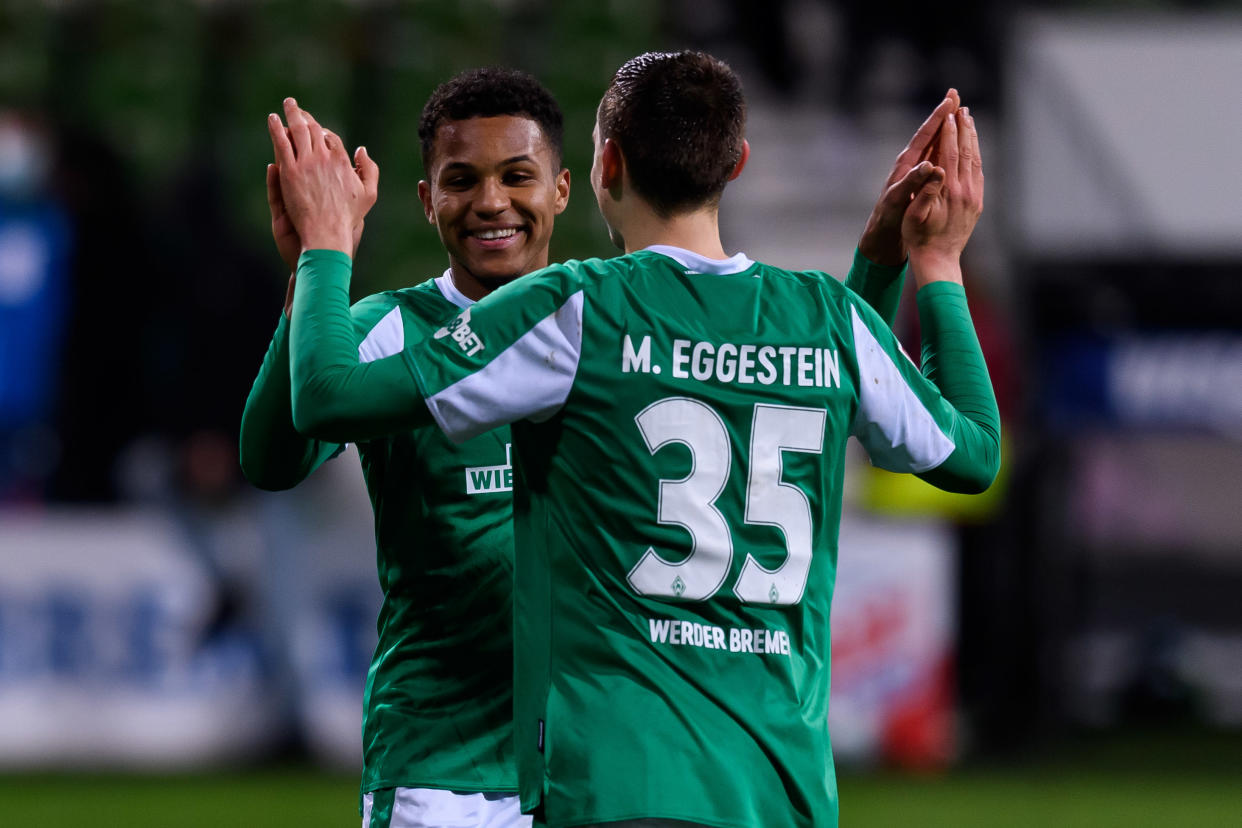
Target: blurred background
(177,648)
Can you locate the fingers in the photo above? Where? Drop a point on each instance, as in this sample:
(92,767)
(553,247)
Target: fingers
(903,191)
(966,148)
(281,145)
(925,199)
(972,159)
(275,202)
(299,127)
(921,144)
(368,171)
(948,152)
(335,146)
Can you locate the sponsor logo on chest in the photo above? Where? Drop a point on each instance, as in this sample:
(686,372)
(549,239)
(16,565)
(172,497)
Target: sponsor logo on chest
(489,479)
(461,333)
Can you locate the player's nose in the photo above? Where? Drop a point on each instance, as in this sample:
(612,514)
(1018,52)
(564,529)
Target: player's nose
(492,198)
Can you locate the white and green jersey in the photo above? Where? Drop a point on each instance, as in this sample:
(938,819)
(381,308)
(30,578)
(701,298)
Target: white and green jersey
(679,445)
(438,701)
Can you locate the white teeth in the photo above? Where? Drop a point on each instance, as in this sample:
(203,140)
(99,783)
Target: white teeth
(496,234)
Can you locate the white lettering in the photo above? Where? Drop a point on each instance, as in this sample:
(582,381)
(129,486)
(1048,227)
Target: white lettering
(805,367)
(787,352)
(832,368)
(726,362)
(746,364)
(640,361)
(769,370)
(702,362)
(680,358)
(659,630)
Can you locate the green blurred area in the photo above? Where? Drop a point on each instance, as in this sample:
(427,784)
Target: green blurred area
(176,82)
(1136,779)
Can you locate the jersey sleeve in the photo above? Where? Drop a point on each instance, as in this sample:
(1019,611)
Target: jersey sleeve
(513,355)
(879,285)
(336,395)
(942,423)
(274,456)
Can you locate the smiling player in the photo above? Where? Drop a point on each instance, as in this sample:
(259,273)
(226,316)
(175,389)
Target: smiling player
(437,716)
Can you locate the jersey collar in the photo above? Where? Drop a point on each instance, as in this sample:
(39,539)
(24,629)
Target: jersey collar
(449,289)
(694,263)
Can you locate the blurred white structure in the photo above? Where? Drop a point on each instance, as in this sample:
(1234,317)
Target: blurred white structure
(1123,133)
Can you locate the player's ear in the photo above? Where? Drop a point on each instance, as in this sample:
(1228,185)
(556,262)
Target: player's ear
(611,165)
(424,195)
(741,161)
(562,191)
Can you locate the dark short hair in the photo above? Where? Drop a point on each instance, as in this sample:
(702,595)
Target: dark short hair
(679,119)
(488,92)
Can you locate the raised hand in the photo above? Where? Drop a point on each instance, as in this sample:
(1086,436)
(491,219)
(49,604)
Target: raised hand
(323,196)
(939,221)
(881,241)
(288,242)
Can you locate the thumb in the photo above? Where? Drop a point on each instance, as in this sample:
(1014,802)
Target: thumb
(918,175)
(926,197)
(368,171)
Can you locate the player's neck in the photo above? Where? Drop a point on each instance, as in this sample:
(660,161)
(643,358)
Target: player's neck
(698,232)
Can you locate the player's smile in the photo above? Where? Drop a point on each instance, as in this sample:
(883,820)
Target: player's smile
(493,191)
(497,238)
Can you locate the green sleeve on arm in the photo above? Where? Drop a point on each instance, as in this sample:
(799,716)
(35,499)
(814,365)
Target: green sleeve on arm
(334,397)
(274,456)
(953,360)
(879,285)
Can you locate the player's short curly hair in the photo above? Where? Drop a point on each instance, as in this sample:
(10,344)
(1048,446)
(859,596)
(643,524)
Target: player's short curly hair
(679,119)
(488,92)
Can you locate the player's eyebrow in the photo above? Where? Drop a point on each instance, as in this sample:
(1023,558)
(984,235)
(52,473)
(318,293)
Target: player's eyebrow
(463,165)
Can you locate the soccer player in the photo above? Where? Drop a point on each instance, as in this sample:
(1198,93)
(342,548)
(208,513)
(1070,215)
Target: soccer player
(437,720)
(680,419)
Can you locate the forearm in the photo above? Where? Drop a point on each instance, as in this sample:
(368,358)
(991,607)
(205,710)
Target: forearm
(333,396)
(879,285)
(953,360)
(274,456)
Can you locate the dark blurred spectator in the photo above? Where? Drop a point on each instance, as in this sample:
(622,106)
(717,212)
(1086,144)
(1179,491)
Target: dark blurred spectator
(214,320)
(34,298)
(104,402)
(959,49)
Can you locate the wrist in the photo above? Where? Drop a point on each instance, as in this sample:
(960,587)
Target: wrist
(329,239)
(929,266)
(881,247)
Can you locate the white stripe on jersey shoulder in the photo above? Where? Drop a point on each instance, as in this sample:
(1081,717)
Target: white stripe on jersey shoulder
(893,425)
(694,263)
(449,289)
(531,379)
(385,339)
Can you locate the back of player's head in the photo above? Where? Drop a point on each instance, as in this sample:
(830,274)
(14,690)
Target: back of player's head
(680,119)
(486,93)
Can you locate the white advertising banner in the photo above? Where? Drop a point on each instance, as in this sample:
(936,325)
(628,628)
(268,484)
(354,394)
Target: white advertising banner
(894,633)
(108,653)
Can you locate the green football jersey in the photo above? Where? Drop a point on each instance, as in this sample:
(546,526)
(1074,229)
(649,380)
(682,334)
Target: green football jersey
(679,449)
(438,701)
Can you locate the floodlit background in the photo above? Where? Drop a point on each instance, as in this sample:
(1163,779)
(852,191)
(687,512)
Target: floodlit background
(177,648)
